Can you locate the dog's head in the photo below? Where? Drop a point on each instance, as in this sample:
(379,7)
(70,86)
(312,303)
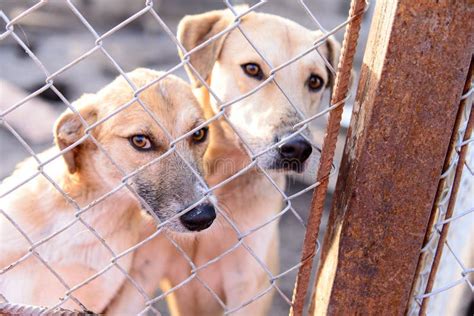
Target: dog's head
(233,68)
(131,136)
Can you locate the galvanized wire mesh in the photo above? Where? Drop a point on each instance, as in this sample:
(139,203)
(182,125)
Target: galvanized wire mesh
(97,46)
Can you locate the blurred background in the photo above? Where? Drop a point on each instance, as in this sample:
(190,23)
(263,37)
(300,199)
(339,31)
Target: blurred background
(57,37)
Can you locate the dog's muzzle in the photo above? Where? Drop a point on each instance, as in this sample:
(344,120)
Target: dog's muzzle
(199,218)
(294,153)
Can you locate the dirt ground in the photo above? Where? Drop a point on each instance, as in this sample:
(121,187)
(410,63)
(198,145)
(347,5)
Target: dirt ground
(57,37)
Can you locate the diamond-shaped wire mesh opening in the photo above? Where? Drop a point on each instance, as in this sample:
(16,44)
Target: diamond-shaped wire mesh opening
(69,41)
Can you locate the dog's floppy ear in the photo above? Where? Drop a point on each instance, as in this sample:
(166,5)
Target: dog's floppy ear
(194,30)
(69,129)
(333,50)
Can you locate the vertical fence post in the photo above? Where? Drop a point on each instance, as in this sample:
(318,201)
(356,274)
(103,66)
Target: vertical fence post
(341,89)
(412,78)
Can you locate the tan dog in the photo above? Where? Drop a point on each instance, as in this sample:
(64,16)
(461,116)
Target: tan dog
(232,68)
(132,139)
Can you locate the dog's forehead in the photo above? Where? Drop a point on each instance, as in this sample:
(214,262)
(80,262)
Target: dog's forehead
(167,103)
(171,97)
(170,105)
(277,39)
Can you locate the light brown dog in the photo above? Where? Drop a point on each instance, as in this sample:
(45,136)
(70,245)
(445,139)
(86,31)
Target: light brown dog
(132,139)
(232,67)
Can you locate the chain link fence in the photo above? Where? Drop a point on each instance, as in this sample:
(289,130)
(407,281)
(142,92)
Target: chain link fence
(287,284)
(82,211)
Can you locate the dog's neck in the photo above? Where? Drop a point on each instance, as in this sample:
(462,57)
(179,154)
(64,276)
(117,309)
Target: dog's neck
(43,208)
(84,187)
(225,155)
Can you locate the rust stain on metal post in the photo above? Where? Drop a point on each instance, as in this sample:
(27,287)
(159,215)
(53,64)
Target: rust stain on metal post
(341,88)
(414,69)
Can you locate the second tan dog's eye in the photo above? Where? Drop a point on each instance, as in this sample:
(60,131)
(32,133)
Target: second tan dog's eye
(315,82)
(252,70)
(141,142)
(200,136)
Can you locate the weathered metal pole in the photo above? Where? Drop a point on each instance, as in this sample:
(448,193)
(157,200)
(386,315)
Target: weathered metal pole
(341,89)
(414,69)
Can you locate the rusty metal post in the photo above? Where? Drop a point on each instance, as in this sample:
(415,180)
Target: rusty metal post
(341,89)
(412,78)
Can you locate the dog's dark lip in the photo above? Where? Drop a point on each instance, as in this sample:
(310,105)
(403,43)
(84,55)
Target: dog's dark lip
(284,165)
(196,228)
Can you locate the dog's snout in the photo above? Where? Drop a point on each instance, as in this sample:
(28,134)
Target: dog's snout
(199,218)
(296,148)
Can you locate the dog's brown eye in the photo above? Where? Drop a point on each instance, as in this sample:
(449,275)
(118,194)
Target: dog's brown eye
(253,70)
(141,142)
(315,82)
(200,136)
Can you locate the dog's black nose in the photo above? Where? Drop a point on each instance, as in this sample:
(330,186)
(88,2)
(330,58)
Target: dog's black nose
(199,218)
(297,148)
